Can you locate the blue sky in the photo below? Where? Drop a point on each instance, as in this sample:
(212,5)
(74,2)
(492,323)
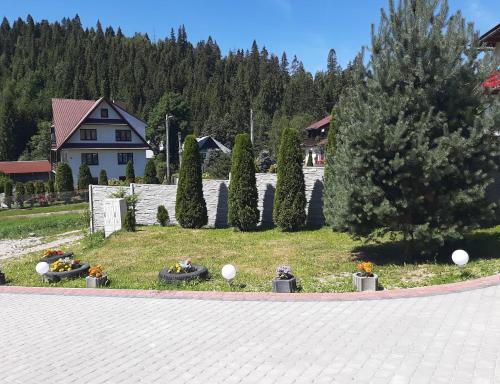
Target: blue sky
(305,28)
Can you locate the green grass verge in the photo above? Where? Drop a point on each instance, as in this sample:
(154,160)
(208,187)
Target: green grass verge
(17,227)
(38,210)
(322,260)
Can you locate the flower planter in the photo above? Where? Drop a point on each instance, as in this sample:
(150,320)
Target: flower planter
(284,286)
(2,278)
(362,283)
(96,282)
(52,277)
(200,272)
(54,258)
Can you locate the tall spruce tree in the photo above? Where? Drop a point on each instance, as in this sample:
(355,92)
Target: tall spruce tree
(243,212)
(290,197)
(190,206)
(416,139)
(84,177)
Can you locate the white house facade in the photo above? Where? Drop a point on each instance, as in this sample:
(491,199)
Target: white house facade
(98,133)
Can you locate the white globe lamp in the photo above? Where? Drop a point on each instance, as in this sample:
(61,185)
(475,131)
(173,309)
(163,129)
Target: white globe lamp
(228,272)
(42,268)
(460,257)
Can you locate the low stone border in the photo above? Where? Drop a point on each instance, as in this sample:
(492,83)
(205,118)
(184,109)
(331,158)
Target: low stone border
(262,296)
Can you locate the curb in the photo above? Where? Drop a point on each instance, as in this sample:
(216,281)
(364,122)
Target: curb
(433,290)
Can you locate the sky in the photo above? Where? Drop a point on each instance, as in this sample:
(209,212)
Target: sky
(306,28)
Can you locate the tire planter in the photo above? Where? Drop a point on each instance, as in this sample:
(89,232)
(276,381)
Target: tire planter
(53,259)
(200,272)
(52,277)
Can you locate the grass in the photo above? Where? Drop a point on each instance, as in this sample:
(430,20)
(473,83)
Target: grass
(322,260)
(38,210)
(14,227)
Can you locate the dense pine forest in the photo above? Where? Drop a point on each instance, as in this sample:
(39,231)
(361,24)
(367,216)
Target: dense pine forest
(42,60)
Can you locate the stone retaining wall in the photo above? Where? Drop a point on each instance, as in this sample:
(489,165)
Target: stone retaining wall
(216,195)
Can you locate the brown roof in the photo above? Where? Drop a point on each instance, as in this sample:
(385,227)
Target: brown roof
(16,167)
(323,123)
(491,37)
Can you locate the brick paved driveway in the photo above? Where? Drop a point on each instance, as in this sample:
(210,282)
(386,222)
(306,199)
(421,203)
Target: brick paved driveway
(453,338)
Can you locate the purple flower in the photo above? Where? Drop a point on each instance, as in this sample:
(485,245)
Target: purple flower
(284,272)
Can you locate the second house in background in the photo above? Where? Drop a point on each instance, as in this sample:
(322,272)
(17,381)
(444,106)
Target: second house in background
(98,133)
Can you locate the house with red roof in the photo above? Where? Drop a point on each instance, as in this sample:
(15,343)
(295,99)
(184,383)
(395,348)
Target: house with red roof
(99,133)
(316,139)
(23,171)
(491,42)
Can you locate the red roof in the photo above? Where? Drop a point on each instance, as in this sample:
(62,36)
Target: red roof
(16,167)
(323,123)
(67,114)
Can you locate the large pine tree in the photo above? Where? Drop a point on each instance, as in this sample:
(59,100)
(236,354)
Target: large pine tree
(416,140)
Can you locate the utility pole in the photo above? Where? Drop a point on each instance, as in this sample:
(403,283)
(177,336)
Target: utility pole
(167,145)
(251,126)
(180,149)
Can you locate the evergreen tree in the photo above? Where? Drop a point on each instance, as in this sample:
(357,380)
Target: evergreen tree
(190,207)
(39,187)
(415,145)
(162,216)
(64,178)
(103,177)
(329,184)
(84,177)
(50,186)
(20,194)
(129,172)
(290,197)
(150,173)
(243,198)
(310,159)
(8,193)
(30,193)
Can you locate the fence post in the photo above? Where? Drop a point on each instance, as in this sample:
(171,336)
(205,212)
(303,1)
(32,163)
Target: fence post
(91,209)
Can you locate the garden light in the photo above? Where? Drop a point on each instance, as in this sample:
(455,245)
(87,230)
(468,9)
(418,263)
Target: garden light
(460,257)
(228,272)
(42,268)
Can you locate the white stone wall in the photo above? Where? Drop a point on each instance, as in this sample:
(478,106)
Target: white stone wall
(215,193)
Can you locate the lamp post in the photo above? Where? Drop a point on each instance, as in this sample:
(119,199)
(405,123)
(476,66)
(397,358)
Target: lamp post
(167,144)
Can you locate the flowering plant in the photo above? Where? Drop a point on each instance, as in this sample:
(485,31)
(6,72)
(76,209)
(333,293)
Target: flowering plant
(96,271)
(366,269)
(65,264)
(181,267)
(52,252)
(284,272)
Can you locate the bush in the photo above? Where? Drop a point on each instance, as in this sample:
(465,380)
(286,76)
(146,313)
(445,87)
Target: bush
(8,192)
(130,172)
(243,212)
(150,173)
(190,208)
(130,221)
(30,193)
(103,177)
(117,182)
(39,187)
(20,192)
(50,186)
(162,216)
(310,159)
(64,178)
(217,165)
(84,177)
(290,198)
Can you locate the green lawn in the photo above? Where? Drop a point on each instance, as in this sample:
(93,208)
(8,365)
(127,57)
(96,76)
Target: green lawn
(322,260)
(15,227)
(38,210)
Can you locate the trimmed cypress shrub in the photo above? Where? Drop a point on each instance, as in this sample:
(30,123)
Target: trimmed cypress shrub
(130,172)
(64,178)
(39,187)
(84,177)
(20,192)
(290,198)
(103,177)
(190,207)
(162,216)
(130,221)
(150,173)
(30,193)
(8,193)
(243,212)
(310,159)
(50,186)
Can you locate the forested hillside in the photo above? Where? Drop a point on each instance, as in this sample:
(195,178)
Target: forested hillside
(41,60)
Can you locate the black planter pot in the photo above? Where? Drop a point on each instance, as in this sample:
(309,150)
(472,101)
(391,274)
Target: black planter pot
(53,277)
(284,286)
(2,278)
(53,259)
(200,272)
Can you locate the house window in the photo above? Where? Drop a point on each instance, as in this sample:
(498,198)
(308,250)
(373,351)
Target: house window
(90,158)
(88,134)
(123,135)
(104,113)
(124,158)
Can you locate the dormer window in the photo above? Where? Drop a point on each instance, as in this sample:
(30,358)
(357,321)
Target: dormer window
(104,113)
